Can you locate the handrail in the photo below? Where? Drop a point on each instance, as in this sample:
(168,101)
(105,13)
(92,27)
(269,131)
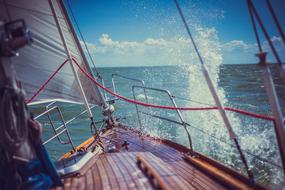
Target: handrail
(171,97)
(56,134)
(251,114)
(52,124)
(64,124)
(128,78)
(243,112)
(212,136)
(45,112)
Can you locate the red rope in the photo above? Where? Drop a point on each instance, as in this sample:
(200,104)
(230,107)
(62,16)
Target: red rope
(46,82)
(170,107)
(251,114)
(134,101)
(143,103)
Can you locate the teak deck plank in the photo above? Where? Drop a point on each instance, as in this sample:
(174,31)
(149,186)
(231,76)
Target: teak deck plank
(120,170)
(193,176)
(117,171)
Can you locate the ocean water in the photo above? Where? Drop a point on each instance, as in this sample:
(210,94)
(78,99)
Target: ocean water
(238,86)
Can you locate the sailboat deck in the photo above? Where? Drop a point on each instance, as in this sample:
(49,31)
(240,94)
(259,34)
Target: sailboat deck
(120,170)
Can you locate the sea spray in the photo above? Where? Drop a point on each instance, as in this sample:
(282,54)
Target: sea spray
(179,51)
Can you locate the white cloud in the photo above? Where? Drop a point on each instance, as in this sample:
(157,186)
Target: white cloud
(277,43)
(238,51)
(179,50)
(105,40)
(151,51)
(154,42)
(235,44)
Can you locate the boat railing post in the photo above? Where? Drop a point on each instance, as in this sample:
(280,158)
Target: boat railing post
(182,120)
(67,131)
(183,123)
(113,83)
(144,90)
(53,126)
(137,109)
(103,83)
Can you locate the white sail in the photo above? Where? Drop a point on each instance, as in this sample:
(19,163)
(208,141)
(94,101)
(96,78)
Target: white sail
(40,60)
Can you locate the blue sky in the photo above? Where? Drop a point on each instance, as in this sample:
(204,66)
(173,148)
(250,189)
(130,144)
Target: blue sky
(150,32)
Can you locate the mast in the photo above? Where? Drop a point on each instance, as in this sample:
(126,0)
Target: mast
(86,104)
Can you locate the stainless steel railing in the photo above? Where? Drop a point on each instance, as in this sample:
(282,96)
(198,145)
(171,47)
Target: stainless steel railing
(171,97)
(103,83)
(63,128)
(57,130)
(128,78)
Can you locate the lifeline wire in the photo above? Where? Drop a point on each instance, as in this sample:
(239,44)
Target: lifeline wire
(250,114)
(82,37)
(243,112)
(216,98)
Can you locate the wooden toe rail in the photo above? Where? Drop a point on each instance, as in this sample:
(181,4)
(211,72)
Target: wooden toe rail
(151,173)
(227,177)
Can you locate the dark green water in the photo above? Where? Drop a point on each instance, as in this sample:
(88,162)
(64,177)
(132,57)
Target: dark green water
(239,86)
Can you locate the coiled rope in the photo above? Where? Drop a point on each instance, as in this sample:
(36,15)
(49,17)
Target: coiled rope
(13,119)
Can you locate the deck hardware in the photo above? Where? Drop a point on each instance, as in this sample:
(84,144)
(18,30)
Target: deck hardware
(125,145)
(15,36)
(111,148)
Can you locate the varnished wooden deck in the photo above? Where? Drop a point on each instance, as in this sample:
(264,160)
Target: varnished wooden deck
(120,170)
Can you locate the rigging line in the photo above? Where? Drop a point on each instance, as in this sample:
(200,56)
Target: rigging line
(190,100)
(207,77)
(255,29)
(250,114)
(83,39)
(269,5)
(270,88)
(216,98)
(254,11)
(164,107)
(269,118)
(188,31)
(47,81)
